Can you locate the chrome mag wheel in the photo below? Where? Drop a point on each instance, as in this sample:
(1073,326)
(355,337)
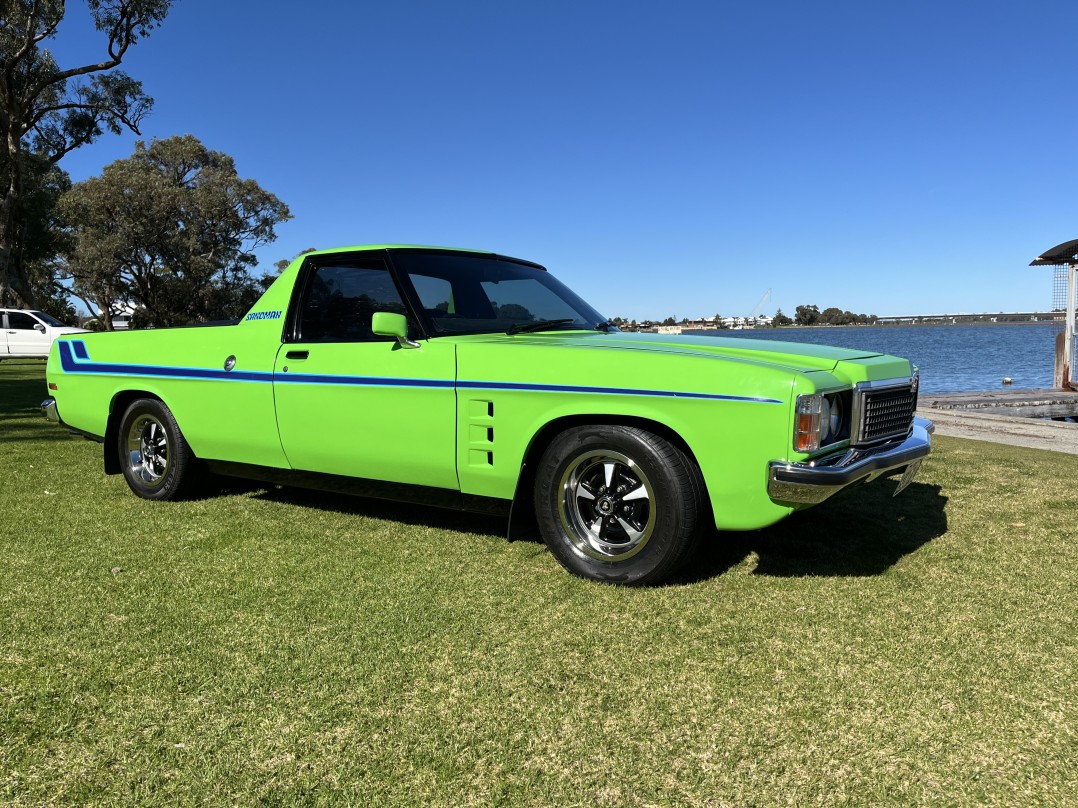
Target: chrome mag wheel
(154,456)
(147,450)
(607,505)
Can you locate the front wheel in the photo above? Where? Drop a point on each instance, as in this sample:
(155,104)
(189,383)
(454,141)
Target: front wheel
(618,504)
(155,459)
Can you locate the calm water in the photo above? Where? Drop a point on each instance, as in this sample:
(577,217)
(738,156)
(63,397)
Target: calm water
(952,358)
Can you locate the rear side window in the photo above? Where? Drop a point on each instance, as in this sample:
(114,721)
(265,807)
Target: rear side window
(340,300)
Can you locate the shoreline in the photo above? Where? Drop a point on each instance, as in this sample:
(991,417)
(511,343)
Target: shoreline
(1058,323)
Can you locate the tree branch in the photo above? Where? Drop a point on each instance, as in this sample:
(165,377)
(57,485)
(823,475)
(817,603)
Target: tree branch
(122,32)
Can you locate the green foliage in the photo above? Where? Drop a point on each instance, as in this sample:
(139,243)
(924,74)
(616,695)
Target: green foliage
(284,263)
(47,111)
(38,221)
(780,319)
(512,311)
(811,315)
(172,229)
(806,315)
(265,281)
(264,646)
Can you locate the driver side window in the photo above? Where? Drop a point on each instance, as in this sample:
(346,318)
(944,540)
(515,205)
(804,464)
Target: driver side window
(340,300)
(22,322)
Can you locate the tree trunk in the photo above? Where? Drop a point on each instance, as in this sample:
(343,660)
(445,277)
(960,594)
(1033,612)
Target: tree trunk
(14,290)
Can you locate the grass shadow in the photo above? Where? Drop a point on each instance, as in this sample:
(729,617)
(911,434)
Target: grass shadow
(20,413)
(21,431)
(20,396)
(411,514)
(861,533)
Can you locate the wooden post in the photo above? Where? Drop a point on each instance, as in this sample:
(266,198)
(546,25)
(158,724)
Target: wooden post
(1057,376)
(1068,331)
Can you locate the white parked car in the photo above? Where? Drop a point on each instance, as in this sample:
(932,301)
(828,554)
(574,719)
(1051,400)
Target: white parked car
(29,334)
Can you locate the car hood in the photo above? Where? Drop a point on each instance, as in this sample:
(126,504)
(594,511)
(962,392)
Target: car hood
(791,355)
(67,329)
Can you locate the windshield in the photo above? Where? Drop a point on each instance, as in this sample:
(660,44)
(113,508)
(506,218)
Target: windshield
(466,294)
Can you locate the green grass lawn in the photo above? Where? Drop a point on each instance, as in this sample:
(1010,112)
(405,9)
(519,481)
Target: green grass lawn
(273,646)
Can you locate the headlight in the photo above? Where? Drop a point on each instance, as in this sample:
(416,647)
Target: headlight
(821,419)
(825,419)
(836,418)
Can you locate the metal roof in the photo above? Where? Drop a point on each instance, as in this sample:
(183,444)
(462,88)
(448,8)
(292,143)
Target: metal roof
(1064,253)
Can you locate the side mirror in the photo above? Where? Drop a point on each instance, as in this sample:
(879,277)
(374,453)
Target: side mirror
(388,324)
(39,327)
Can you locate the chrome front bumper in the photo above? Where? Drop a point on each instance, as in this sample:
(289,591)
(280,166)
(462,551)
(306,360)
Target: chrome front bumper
(48,409)
(815,481)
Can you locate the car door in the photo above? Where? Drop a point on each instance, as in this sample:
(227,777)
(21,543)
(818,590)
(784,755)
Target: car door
(352,403)
(26,335)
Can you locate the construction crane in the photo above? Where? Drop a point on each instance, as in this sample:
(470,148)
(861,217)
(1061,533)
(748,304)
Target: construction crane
(760,305)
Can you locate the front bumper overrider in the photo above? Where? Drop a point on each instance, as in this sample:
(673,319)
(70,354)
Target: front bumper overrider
(813,482)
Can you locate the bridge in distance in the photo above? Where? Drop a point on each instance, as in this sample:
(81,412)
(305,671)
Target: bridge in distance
(966,317)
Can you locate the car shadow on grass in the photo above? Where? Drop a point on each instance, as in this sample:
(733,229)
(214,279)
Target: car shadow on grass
(412,514)
(860,533)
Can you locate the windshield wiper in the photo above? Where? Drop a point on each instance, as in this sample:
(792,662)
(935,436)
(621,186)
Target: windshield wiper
(539,325)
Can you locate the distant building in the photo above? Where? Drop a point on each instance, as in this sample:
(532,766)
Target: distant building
(121,321)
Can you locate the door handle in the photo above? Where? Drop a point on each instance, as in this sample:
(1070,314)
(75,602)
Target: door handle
(297,354)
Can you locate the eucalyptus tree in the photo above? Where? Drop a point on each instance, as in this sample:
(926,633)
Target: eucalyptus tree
(46,110)
(172,231)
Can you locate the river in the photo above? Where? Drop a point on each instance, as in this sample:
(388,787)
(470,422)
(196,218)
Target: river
(952,358)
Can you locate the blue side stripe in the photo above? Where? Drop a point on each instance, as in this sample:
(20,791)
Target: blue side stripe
(372,381)
(623,391)
(68,363)
(71,365)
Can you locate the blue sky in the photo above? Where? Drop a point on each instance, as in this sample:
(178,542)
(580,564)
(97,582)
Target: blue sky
(674,158)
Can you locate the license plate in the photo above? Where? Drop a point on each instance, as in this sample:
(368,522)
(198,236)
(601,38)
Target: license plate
(907,477)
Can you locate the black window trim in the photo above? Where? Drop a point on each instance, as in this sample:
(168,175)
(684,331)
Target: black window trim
(314,263)
(420,313)
(400,279)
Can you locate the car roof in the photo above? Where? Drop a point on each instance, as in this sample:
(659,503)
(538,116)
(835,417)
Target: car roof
(423,248)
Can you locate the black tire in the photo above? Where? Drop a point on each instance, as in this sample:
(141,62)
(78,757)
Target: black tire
(156,460)
(618,504)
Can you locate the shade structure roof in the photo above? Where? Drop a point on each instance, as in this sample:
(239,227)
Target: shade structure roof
(1065,253)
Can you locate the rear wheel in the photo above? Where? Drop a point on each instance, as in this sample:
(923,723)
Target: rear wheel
(155,459)
(618,504)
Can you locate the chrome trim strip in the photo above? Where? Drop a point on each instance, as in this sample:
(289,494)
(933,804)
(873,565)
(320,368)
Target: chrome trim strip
(813,482)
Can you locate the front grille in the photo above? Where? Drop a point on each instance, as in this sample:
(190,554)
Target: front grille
(885,413)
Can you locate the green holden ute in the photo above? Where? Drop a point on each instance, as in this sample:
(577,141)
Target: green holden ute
(476,381)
